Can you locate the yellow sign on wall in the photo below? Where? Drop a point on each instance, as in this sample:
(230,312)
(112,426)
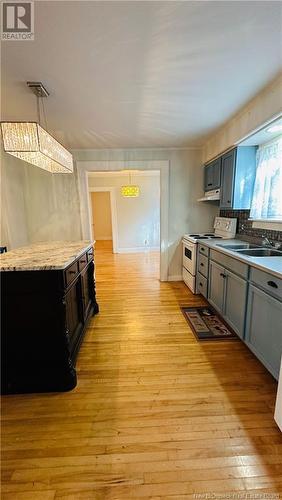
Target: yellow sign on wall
(130,191)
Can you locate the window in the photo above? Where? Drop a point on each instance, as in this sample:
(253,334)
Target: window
(267,196)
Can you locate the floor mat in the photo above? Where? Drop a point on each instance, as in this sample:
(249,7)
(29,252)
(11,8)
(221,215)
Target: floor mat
(206,324)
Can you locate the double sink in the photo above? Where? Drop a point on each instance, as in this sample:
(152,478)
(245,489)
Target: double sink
(252,250)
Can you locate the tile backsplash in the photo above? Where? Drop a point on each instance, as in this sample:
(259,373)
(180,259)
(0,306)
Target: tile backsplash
(244,225)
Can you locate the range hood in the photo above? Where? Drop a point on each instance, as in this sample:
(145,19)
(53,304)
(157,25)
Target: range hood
(211,195)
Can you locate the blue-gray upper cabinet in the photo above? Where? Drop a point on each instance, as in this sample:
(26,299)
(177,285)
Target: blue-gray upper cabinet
(212,175)
(238,170)
(264,328)
(227,179)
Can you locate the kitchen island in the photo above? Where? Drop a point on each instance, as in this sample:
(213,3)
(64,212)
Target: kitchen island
(47,298)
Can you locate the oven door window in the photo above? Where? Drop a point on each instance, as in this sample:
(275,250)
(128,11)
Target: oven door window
(188,253)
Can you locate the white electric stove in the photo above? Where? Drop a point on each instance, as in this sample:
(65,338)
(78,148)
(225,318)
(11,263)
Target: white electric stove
(224,228)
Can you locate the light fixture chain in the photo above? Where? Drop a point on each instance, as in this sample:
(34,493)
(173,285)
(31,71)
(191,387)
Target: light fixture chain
(38,109)
(44,114)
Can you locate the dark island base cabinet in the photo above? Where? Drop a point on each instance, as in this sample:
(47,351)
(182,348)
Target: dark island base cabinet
(44,317)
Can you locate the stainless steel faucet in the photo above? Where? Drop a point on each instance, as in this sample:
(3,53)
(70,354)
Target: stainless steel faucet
(266,242)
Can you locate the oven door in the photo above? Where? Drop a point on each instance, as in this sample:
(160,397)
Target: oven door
(189,256)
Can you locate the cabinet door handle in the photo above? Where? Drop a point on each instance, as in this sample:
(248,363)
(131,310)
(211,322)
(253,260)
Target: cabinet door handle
(201,284)
(223,275)
(72,272)
(210,184)
(273,284)
(201,264)
(202,249)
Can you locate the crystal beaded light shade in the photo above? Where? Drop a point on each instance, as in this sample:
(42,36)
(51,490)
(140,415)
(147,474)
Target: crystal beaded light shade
(30,142)
(130,191)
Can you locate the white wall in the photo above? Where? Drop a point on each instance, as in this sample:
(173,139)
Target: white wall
(185,186)
(264,107)
(14,230)
(101,215)
(138,219)
(36,205)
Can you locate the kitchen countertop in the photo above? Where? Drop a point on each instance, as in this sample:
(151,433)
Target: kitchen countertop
(271,265)
(46,256)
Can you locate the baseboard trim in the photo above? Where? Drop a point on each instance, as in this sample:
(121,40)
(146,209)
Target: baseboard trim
(176,277)
(137,249)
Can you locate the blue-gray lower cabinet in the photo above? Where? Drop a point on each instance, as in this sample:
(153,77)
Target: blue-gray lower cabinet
(264,328)
(216,286)
(228,294)
(235,298)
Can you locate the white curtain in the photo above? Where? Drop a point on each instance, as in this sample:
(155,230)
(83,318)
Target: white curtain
(267,196)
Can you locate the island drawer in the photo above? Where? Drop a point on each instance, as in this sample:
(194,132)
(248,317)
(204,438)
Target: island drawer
(230,263)
(71,273)
(203,265)
(202,285)
(82,262)
(267,281)
(90,254)
(204,250)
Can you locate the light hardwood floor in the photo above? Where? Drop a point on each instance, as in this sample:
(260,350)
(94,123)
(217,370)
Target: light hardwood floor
(155,413)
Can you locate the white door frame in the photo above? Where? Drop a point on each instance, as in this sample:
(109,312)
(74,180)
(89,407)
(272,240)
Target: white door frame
(113,202)
(85,167)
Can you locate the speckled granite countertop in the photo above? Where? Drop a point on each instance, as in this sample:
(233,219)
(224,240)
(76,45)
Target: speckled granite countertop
(271,265)
(50,255)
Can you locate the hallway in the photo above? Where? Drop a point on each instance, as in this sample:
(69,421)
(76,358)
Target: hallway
(155,414)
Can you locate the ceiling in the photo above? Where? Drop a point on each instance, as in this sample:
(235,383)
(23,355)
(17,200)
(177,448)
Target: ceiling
(142,74)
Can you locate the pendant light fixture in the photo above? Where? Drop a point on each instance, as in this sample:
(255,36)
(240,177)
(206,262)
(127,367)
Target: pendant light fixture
(130,190)
(30,142)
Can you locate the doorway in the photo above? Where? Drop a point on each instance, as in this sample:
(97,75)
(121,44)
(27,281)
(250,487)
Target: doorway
(101,226)
(85,169)
(102,204)
(131,222)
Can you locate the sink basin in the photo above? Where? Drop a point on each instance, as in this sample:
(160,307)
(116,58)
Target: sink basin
(261,252)
(240,246)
